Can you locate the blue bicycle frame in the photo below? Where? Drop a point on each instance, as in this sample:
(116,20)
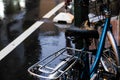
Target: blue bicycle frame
(100,46)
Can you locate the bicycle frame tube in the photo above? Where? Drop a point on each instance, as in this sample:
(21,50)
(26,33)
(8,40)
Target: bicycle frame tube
(114,44)
(100,46)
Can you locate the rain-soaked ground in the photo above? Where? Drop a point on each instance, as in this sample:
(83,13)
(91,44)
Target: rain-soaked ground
(47,39)
(44,41)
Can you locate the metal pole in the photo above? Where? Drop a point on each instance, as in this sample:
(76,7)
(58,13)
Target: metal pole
(81,9)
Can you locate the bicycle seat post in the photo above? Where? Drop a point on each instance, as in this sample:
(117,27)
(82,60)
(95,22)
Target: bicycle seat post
(85,47)
(86,60)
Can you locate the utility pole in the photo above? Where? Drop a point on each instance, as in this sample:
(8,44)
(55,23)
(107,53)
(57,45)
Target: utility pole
(81,9)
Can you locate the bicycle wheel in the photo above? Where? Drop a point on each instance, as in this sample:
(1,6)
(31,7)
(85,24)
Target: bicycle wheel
(110,58)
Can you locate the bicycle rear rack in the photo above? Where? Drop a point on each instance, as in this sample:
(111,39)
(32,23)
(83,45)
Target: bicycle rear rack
(55,65)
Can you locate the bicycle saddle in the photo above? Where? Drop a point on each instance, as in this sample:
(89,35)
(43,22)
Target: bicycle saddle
(82,33)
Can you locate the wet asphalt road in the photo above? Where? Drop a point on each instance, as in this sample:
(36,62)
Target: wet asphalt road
(47,39)
(44,41)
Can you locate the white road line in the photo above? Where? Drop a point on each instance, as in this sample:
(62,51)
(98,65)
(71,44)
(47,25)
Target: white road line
(19,39)
(4,52)
(49,14)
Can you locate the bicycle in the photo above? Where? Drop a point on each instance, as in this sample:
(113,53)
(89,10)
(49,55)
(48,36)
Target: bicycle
(109,65)
(83,64)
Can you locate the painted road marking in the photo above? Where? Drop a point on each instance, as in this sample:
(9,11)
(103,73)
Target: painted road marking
(10,47)
(4,52)
(54,10)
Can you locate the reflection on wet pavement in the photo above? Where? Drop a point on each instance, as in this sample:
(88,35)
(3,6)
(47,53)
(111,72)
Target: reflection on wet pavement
(52,39)
(47,39)
(41,43)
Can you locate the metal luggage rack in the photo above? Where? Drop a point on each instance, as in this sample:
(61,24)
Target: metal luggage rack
(55,65)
